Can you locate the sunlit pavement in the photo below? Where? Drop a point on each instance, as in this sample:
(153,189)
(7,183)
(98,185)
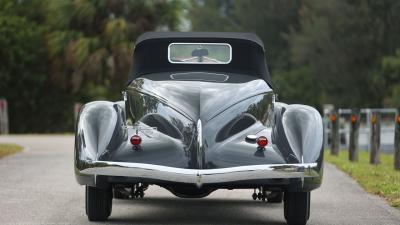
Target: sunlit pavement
(38,187)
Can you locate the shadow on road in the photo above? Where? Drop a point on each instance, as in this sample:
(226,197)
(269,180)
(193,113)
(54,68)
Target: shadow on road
(193,211)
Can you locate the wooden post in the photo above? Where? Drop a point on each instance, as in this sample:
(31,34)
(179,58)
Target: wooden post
(4,129)
(335,137)
(354,133)
(397,142)
(375,138)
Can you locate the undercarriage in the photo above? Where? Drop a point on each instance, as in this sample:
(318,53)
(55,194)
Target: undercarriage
(99,201)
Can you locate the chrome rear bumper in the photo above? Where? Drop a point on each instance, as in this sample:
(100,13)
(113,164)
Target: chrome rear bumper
(200,176)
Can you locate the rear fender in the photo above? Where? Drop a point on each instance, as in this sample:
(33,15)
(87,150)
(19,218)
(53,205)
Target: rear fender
(298,132)
(99,131)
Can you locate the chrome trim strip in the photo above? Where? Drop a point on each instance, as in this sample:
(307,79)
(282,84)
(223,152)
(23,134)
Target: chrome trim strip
(200,176)
(173,75)
(199,144)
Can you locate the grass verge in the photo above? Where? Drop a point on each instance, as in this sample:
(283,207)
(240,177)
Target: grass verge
(380,179)
(8,149)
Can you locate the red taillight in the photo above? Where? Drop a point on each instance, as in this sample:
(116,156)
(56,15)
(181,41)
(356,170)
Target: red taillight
(136,140)
(333,118)
(353,118)
(262,141)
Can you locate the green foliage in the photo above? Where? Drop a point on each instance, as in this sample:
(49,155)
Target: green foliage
(31,9)
(19,54)
(23,70)
(55,53)
(390,76)
(116,31)
(100,32)
(9,149)
(210,15)
(343,43)
(270,20)
(381,179)
(57,41)
(318,51)
(59,13)
(297,86)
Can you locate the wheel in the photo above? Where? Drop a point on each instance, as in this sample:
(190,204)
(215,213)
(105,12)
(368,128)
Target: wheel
(297,207)
(98,203)
(275,197)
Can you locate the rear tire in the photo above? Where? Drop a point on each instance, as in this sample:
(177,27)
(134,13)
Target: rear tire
(98,203)
(297,207)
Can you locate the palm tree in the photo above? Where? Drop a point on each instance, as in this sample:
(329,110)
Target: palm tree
(90,42)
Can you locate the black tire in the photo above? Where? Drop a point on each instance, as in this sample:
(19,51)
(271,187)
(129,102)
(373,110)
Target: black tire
(297,207)
(98,203)
(275,197)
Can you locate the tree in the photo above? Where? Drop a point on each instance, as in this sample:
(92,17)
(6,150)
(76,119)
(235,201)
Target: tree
(343,43)
(297,86)
(90,42)
(332,48)
(270,20)
(390,74)
(57,52)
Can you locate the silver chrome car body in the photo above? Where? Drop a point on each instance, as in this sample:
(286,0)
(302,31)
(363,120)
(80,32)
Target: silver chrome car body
(93,144)
(199,127)
(194,121)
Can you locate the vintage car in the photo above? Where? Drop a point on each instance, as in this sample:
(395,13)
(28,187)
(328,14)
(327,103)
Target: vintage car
(199,113)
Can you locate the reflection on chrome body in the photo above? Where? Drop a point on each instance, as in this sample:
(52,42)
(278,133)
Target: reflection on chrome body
(188,135)
(198,126)
(206,77)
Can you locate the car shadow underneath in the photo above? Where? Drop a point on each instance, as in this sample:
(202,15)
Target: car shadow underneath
(164,210)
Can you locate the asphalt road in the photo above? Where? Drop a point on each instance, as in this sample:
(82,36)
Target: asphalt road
(38,186)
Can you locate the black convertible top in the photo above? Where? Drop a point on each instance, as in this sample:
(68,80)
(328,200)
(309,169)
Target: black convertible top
(151,54)
(199,35)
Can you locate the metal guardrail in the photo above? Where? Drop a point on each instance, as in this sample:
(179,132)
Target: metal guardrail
(379,129)
(367,110)
(387,128)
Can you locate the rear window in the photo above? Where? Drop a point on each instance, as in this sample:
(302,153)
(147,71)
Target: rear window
(199,53)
